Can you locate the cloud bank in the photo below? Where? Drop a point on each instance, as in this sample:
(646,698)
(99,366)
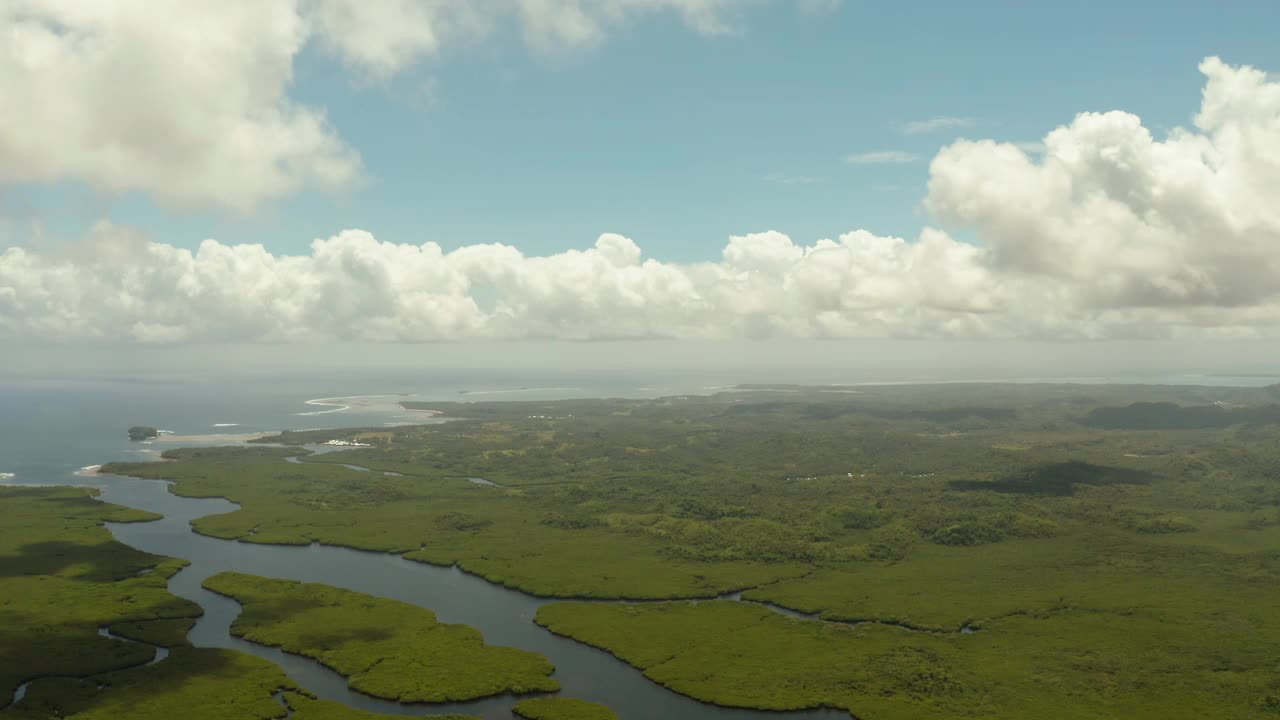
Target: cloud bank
(1107,232)
(117,285)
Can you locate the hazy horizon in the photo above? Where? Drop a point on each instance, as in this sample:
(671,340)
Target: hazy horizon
(779,361)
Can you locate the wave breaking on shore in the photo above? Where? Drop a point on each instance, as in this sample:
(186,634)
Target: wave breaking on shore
(335,404)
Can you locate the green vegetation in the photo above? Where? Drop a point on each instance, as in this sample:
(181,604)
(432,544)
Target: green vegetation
(1110,572)
(561,708)
(208,684)
(142,432)
(1068,664)
(521,538)
(219,684)
(62,577)
(385,648)
(1171,416)
(162,633)
(307,708)
(745,655)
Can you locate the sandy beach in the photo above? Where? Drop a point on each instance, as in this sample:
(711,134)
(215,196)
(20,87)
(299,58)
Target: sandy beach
(169,439)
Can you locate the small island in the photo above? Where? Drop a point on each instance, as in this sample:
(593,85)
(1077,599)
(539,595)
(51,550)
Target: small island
(142,432)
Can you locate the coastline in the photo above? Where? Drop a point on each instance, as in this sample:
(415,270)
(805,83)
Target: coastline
(329,402)
(211,437)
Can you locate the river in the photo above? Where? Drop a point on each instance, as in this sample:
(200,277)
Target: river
(45,444)
(505,617)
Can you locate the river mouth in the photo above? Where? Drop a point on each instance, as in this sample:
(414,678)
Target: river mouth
(504,616)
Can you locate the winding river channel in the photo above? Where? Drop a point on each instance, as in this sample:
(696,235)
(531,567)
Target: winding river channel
(504,616)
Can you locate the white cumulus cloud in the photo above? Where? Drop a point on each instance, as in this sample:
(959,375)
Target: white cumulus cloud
(184,100)
(882,157)
(189,101)
(1127,220)
(117,285)
(383,37)
(575,23)
(934,124)
(1107,232)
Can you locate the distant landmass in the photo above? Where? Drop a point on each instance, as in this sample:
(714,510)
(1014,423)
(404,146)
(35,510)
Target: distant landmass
(1171,416)
(142,432)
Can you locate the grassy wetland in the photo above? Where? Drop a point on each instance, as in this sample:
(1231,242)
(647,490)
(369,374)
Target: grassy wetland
(386,648)
(1003,551)
(65,583)
(562,708)
(208,684)
(63,577)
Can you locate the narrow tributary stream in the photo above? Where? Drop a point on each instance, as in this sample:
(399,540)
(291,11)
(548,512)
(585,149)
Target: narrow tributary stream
(504,616)
(160,654)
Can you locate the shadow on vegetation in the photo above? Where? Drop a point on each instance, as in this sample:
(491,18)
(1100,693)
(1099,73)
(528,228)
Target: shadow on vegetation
(35,648)
(1058,479)
(161,632)
(98,562)
(337,638)
(188,677)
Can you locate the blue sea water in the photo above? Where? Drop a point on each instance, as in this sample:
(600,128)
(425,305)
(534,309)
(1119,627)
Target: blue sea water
(51,427)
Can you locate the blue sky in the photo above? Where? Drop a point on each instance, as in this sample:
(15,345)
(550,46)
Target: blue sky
(678,139)
(404,171)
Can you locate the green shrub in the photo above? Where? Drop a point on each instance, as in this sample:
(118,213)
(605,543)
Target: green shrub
(1163,524)
(1026,526)
(571,521)
(970,532)
(562,708)
(462,522)
(859,518)
(891,542)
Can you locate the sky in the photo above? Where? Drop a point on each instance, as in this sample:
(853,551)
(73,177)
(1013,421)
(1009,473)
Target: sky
(286,172)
